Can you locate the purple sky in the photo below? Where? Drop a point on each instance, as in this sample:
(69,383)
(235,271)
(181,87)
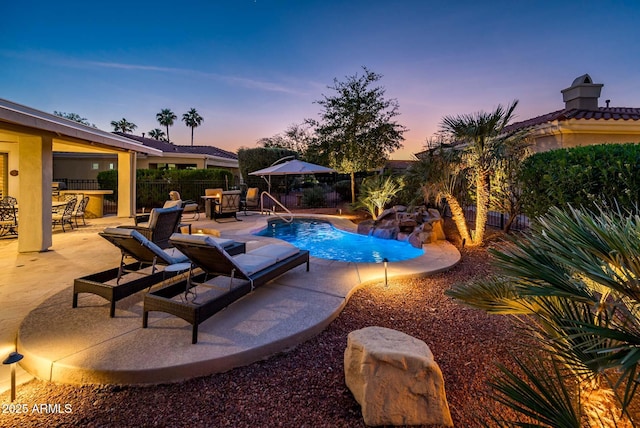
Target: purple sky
(252,68)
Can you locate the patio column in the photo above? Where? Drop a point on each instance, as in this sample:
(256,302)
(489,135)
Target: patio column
(35,175)
(126,184)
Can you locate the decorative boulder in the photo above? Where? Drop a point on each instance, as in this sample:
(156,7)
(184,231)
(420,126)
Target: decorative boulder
(386,232)
(437,226)
(395,379)
(365,227)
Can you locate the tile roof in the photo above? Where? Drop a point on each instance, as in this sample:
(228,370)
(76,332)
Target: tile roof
(603,113)
(168,147)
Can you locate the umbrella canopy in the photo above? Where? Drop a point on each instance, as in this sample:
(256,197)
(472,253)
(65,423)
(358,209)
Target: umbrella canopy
(293,167)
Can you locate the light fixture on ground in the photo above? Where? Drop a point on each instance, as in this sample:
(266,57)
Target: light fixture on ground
(386,262)
(11,360)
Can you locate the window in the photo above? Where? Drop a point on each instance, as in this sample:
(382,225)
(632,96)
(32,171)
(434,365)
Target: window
(95,165)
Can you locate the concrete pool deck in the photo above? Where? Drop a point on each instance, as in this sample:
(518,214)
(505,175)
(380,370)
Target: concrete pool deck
(84,345)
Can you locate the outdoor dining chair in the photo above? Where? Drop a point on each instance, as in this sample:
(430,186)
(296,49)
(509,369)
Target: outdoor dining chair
(251,200)
(64,216)
(80,210)
(8,216)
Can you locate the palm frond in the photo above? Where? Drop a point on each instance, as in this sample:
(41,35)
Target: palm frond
(541,394)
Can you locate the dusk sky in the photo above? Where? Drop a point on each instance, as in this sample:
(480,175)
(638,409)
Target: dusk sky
(253,67)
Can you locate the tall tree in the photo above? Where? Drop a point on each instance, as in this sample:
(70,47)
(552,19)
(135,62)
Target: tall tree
(166,118)
(483,139)
(192,119)
(123,125)
(157,134)
(356,131)
(75,117)
(297,137)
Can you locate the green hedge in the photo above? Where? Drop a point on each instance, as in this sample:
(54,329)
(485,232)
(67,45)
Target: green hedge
(580,176)
(254,159)
(154,185)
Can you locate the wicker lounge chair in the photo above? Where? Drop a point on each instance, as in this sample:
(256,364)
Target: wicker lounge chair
(134,245)
(248,270)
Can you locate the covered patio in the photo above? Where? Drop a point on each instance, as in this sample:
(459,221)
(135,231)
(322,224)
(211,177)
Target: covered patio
(28,139)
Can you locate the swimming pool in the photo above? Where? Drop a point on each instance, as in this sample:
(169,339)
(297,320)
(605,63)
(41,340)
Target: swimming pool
(324,241)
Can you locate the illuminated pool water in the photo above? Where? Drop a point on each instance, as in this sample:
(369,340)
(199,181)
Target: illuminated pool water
(324,241)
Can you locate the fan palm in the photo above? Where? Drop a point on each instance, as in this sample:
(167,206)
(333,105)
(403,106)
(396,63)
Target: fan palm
(482,136)
(576,280)
(192,119)
(166,118)
(157,134)
(123,125)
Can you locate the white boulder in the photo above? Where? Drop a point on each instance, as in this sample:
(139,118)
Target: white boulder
(395,379)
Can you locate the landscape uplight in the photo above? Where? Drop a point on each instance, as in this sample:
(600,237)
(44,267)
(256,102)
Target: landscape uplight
(11,360)
(386,262)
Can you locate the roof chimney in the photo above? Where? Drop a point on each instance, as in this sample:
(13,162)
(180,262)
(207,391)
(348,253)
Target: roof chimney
(143,135)
(583,94)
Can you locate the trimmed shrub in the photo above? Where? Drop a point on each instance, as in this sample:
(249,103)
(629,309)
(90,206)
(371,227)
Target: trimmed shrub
(313,197)
(108,180)
(607,174)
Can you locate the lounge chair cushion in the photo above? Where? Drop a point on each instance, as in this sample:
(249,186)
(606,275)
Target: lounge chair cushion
(251,264)
(155,213)
(171,204)
(171,255)
(202,240)
(276,251)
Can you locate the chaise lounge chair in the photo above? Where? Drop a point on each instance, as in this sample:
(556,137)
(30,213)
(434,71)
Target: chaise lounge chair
(253,269)
(133,244)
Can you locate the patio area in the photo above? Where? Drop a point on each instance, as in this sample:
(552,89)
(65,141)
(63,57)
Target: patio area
(84,345)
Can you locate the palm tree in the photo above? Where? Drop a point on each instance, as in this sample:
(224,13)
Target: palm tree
(482,135)
(123,125)
(166,118)
(192,119)
(573,282)
(157,134)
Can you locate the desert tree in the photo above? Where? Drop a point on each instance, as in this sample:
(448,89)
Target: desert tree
(297,137)
(356,131)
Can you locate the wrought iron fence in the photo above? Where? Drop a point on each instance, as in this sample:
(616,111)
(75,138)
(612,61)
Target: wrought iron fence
(109,205)
(497,219)
(153,193)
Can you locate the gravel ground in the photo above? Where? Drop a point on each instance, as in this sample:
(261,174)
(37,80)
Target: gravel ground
(303,387)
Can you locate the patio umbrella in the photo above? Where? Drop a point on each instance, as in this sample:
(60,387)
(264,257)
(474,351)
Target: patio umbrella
(292,167)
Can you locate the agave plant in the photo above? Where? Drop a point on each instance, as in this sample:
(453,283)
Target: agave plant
(574,282)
